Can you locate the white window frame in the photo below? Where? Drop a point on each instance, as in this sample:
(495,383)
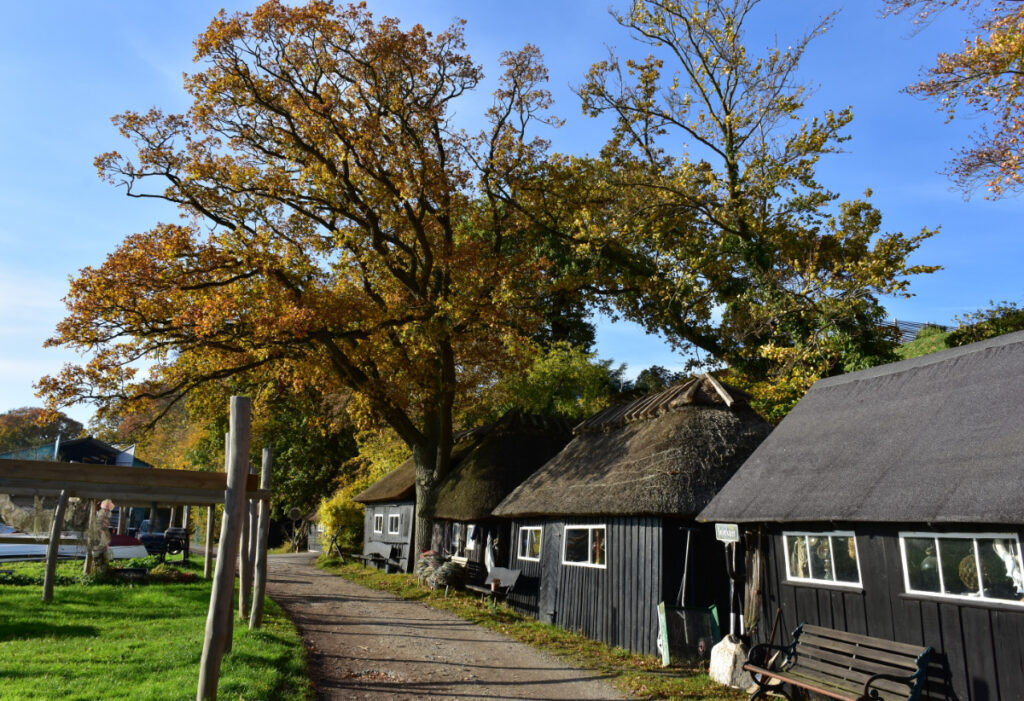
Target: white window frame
(590,528)
(790,577)
(540,543)
(977,596)
(397,520)
(470,537)
(378,523)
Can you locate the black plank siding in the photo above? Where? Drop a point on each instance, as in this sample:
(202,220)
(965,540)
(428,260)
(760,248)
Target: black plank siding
(403,539)
(979,646)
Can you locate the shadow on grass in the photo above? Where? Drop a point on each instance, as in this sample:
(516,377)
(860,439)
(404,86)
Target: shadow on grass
(24,631)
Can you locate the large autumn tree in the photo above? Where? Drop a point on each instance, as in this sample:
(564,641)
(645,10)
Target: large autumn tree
(338,229)
(31,426)
(710,178)
(984,80)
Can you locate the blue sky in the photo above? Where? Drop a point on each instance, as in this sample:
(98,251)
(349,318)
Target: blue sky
(67,67)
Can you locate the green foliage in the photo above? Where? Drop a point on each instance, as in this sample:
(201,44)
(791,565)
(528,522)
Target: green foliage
(996,320)
(710,182)
(341,516)
(562,380)
(929,339)
(102,641)
(30,426)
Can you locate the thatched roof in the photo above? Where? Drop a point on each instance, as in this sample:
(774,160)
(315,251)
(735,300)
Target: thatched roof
(499,458)
(662,455)
(397,485)
(487,463)
(934,439)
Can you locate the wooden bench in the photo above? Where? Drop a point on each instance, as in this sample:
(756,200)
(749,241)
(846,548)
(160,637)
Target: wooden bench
(506,580)
(378,553)
(840,665)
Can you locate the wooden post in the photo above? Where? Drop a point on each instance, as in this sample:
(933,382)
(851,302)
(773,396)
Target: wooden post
(184,524)
(171,521)
(123,515)
(230,619)
(51,549)
(244,564)
(211,515)
(224,577)
(262,531)
(254,505)
(87,566)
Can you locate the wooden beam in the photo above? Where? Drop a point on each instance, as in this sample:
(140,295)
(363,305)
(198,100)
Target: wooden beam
(51,550)
(211,515)
(165,496)
(262,531)
(224,577)
(42,471)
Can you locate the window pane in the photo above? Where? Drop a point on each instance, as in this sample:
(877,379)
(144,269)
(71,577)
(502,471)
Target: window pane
(797,556)
(959,568)
(533,544)
(820,557)
(844,553)
(577,545)
(922,564)
(1001,568)
(597,546)
(524,536)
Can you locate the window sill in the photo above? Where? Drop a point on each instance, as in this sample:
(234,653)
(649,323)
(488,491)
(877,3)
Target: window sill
(997,604)
(824,585)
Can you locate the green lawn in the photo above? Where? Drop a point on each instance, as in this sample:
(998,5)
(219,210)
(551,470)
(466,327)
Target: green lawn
(115,641)
(640,676)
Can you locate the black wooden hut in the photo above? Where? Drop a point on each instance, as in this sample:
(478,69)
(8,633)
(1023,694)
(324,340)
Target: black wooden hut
(488,463)
(601,531)
(390,512)
(877,501)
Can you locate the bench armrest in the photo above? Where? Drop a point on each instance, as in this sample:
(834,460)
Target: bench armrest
(760,655)
(907,679)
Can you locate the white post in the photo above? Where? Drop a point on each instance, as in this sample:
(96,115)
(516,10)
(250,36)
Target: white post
(224,577)
(211,515)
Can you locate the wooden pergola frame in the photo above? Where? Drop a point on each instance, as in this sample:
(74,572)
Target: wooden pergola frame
(246,500)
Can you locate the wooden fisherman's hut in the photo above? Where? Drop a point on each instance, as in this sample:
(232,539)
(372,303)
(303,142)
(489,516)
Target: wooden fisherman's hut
(488,463)
(601,531)
(390,513)
(890,503)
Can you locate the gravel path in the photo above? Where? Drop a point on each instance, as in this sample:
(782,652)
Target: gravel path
(365,644)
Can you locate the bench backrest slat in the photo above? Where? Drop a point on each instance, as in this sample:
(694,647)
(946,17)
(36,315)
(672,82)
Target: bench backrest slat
(865,640)
(863,655)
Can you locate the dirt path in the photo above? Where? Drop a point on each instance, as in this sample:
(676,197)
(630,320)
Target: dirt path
(366,644)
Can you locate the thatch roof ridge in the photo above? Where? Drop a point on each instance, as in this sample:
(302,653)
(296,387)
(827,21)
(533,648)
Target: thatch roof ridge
(668,460)
(934,439)
(704,389)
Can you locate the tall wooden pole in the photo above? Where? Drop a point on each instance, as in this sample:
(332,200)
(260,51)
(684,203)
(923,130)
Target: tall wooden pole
(88,565)
(244,564)
(224,577)
(211,514)
(262,531)
(54,545)
(230,619)
(185,514)
(124,513)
